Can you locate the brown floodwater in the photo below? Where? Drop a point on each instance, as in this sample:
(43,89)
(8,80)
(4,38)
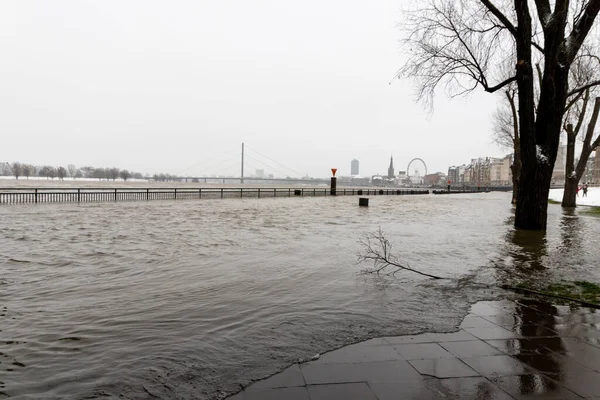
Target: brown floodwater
(192,299)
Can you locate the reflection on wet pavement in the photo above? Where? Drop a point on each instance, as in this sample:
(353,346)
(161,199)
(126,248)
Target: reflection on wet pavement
(511,349)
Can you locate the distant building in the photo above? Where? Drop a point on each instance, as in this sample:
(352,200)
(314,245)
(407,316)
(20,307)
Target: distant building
(453,175)
(260,173)
(354,171)
(354,181)
(437,179)
(402,178)
(377,180)
(596,173)
(390,174)
(500,173)
(480,172)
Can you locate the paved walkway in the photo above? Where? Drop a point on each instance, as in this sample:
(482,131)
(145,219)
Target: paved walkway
(523,349)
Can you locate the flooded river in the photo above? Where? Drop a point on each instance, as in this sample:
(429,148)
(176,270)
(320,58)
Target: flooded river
(190,299)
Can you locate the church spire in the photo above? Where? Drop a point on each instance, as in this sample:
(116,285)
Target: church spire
(391,168)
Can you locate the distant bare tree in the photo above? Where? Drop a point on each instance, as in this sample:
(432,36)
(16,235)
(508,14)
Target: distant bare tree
(124,174)
(99,173)
(462,44)
(582,110)
(50,172)
(17,169)
(61,172)
(79,173)
(112,173)
(506,134)
(28,169)
(88,172)
(573,171)
(72,171)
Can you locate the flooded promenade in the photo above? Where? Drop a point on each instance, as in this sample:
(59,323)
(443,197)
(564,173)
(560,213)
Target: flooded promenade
(193,299)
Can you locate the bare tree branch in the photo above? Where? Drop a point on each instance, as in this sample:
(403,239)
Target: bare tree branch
(583,88)
(377,250)
(581,29)
(501,17)
(586,98)
(500,85)
(544,12)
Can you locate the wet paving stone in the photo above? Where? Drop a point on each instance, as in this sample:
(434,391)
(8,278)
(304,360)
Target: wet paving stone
(475,321)
(581,351)
(584,384)
(293,393)
(383,371)
(421,351)
(444,368)
(467,388)
(489,308)
(291,377)
(459,336)
(496,332)
(394,340)
(534,387)
(359,353)
(492,366)
(553,364)
(514,346)
(344,391)
(404,390)
(533,331)
(474,348)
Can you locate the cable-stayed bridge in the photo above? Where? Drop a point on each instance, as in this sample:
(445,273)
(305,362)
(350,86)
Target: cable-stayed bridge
(247,166)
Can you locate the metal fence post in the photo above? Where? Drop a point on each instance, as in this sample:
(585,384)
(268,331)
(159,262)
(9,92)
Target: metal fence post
(78,195)
(175,193)
(36,196)
(221,193)
(115,194)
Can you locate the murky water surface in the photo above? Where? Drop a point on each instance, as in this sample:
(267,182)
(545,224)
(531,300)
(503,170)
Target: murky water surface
(191,299)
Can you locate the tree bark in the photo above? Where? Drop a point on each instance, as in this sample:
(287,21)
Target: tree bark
(516,167)
(571,181)
(570,195)
(516,173)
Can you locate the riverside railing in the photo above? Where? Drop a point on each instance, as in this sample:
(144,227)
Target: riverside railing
(94,195)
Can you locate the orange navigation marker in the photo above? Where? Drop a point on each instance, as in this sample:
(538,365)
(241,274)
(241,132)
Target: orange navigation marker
(333,171)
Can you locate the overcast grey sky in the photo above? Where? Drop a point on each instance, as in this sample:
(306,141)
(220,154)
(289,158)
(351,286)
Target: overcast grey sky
(177,86)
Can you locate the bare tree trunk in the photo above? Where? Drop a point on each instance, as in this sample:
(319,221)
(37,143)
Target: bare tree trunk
(532,201)
(516,174)
(575,173)
(517,164)
(570,194)
(571,181)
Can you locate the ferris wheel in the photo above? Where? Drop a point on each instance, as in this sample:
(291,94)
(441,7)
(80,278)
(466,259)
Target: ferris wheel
(416,171)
